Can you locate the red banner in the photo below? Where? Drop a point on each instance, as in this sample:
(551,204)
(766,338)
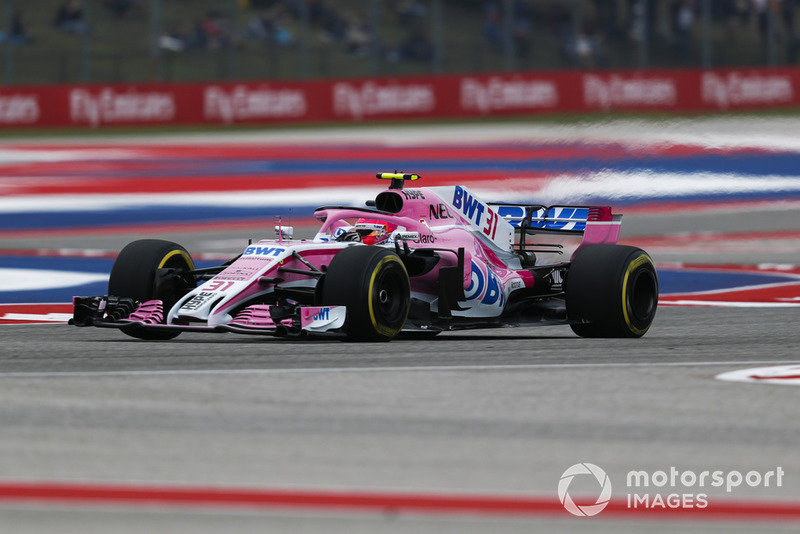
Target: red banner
(433,97)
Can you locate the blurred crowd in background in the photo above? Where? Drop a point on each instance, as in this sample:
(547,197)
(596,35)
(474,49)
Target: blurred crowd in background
(61,41)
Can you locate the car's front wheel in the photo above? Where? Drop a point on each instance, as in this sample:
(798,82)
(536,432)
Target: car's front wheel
(373,283)
(134,275)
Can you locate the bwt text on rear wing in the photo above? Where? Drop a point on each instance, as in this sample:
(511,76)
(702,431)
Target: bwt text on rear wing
(540,219)
(594,224)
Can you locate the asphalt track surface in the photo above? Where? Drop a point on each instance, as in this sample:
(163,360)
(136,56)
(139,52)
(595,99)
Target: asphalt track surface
(497,412)
(491,414)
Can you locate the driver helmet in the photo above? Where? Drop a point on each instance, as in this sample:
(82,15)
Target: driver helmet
(374,231)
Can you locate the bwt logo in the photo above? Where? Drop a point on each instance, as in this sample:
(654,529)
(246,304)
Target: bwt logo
(484,286)
(582,470)
(263,251)
(324,314)
(470,206)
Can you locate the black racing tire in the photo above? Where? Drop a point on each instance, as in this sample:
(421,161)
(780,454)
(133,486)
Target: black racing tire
(611,291)
(373,283)
(134,271)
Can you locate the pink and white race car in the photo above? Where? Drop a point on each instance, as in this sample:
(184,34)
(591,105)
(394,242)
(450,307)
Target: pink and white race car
(426,259)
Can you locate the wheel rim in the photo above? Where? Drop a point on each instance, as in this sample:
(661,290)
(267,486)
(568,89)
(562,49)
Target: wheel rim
(643,297)
(177,259)
(389,296)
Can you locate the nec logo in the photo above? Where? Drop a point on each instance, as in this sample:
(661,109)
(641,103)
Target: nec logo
(263,251)
(438,211)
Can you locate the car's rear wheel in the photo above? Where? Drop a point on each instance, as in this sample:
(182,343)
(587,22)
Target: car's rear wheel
(611,291)
(373,283)
(134,275)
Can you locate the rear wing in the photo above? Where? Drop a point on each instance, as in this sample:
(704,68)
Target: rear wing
(596,224)
(536,218)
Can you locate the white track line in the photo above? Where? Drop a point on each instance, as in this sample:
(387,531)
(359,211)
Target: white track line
(415,368)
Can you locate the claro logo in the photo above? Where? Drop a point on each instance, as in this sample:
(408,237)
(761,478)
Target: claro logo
(370,99)
(616,91)
(738,89)
(499,94)
(109,107)
(243,103)
(19,109)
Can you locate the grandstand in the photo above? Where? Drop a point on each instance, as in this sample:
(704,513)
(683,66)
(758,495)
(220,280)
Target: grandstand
(175,40)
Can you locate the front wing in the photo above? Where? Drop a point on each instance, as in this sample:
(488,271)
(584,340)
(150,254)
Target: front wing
(131,316)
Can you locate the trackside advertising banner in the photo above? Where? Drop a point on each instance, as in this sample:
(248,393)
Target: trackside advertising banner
(433,97)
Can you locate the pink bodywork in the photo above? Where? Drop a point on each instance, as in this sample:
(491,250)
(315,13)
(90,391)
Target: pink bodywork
(149,312)
(444,219)
(489,260)
(257,316)
(602,227)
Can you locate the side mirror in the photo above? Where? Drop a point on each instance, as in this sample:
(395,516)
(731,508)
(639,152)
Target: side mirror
(284,232)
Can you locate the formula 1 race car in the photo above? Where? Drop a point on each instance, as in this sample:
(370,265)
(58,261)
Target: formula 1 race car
(427,259)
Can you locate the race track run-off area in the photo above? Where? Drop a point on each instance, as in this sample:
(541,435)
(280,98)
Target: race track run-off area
(489,430)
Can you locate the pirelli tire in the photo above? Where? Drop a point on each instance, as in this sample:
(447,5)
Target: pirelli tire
(134,275)
(373,283)
(611,291)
